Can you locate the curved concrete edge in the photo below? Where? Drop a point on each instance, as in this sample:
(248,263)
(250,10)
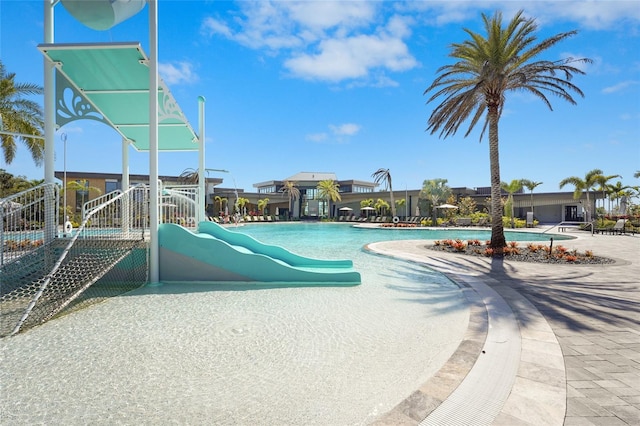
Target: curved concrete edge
(537,394)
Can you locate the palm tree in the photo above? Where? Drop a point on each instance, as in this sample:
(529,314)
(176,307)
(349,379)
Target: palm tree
(402,202)
(329,190)
(262,204)
(586,184)
(188,176)
(511,188)
(221,202)
(20,117)
(487,69)
(82,186)
(435,190)
(381,206)
(241,203)
(530,185)
(602,181)
(291,190)
(383,175)
(618,191)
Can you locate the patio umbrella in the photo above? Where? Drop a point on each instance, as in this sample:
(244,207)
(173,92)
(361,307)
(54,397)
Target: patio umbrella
(345,209)
(446,206)
(277,211)
(367,208)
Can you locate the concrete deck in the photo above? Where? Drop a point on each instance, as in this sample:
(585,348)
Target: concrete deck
(546,344)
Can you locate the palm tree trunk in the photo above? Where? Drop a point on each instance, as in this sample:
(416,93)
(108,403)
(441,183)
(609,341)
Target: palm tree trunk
(497,229)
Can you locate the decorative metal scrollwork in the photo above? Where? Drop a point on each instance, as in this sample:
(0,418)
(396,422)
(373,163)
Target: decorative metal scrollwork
(72,105)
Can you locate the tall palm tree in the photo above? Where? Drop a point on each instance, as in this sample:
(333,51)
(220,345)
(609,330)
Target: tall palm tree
(383,175)
(329,190)
(586,184)
(511,188)
(435,190)
(20,116)
(290,189)
(603,180)
(618,191)
(488,68)
(530,185)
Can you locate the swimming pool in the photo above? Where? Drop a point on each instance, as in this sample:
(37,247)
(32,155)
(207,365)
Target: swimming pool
(221,354)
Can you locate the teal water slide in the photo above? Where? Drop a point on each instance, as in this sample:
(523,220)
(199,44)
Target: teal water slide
(215,254)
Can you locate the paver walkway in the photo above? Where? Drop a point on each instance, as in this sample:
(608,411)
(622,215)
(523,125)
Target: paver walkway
(579,358)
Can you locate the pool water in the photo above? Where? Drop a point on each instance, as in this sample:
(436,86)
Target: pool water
(225,354)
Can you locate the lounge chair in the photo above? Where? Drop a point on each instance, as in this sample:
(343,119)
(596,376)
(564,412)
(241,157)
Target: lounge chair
(618,228)
(463,221)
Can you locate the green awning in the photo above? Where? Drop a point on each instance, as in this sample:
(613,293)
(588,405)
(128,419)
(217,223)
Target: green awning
(109,82)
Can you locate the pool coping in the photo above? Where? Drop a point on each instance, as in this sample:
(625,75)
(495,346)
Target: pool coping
(540,360)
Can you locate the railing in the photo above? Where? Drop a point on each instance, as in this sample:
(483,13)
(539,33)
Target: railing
(105,256)
(23,219)
(179,205)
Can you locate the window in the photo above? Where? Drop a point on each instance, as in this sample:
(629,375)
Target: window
(111,185)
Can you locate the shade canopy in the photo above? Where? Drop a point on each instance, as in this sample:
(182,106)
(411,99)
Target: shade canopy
(345,209)
(367,208)
(446,206)
(109,82)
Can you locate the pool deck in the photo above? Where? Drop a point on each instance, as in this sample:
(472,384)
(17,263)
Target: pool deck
(546,344)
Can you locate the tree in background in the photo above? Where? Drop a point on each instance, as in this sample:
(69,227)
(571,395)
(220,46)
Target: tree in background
(381,206)
(400,203)
(435,190)
(21,116)
(603,180)
(291,190)
(329,191)
(586,184)
(530,185)
(383,175)
(511,188)
(475,88)
(262,205)
(221,202)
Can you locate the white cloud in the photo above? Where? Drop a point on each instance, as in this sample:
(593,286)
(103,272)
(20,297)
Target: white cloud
(347,129)
(620,86)
(316,137)
(177,73)
(323,40)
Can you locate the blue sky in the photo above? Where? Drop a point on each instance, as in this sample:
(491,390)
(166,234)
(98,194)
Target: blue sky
(338,87)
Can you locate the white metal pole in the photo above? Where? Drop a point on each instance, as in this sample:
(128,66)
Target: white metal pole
(124,181)
(49,120)
(202,195)
(64,181)
(154,249)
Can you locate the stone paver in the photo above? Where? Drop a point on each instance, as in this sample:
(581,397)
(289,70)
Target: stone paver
(580,334)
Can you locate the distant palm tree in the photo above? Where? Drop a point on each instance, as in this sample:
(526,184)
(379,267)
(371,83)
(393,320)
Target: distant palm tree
(21,116)
(82,186)
(381,206)
(383,175)
(618,191)
(402,202)
(329,190)
(188,176)
(586,184)
(637,174)
(221,202)
(511,188)
(290,189)
(602,181)
(262,204)
(488,68)
(530,185)
(435,190)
